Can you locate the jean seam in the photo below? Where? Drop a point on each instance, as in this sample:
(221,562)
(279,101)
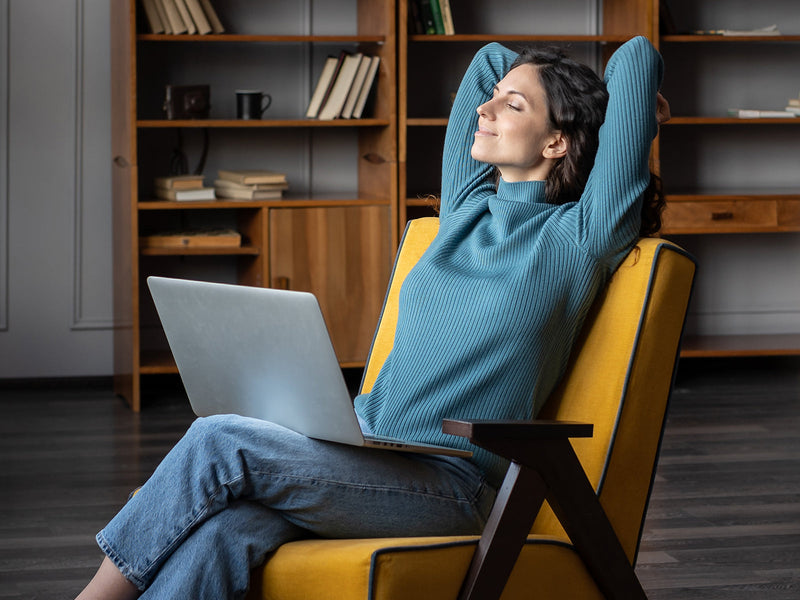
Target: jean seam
(472,500)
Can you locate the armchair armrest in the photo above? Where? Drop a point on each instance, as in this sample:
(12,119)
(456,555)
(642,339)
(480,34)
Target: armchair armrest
(478,431)
(543,465)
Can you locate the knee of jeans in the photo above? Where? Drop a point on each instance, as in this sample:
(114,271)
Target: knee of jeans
(205,429)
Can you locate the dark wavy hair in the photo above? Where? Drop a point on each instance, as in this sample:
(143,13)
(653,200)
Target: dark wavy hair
(577,99)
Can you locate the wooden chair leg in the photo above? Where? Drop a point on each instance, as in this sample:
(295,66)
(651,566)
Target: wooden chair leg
(575,503)
(518,502)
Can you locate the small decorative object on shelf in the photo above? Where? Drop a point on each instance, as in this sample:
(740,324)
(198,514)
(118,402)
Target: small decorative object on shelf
(187,101)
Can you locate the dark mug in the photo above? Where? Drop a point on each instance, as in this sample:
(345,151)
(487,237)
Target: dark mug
(251,104)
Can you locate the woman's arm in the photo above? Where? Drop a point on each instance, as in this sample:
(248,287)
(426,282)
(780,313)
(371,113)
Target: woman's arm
(611,202)
(461,174)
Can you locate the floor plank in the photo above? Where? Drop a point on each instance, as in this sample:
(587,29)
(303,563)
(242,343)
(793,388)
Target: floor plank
(723,521)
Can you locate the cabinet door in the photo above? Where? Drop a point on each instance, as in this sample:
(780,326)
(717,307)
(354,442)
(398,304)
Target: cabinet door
(343,256)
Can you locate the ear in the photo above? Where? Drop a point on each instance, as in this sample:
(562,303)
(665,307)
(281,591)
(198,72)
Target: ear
(556,147)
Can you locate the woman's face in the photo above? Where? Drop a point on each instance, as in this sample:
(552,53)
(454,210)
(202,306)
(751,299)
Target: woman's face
(513,128)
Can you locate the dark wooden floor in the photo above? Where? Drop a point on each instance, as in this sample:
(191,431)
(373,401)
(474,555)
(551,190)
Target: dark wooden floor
(724,520)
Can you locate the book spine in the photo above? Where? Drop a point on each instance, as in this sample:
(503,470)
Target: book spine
(426,12)
(436,11)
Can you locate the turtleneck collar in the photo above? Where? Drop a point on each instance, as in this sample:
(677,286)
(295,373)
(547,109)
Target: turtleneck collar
(529,192)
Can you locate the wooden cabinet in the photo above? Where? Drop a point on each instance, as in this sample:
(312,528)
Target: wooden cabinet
(335,231)
(727,175)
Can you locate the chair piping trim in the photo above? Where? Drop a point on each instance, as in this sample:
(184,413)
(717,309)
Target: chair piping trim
(631,361)
(376,554)
(682,252)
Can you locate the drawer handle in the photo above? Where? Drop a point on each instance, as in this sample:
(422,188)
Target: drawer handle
(721,216)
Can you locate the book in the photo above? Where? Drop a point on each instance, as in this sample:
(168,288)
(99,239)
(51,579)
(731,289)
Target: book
(213,18)
(366,88)
(227,183)
(180,182)
(770,30)
(251,176)
(247,192)
(324,84)
(198,16)
(185,195)
(355,89)
(436,11)
(162,14)
(183,10)
(746,113)
(426,16)
(332,108)
(173,16)
(153,19)
(447,17)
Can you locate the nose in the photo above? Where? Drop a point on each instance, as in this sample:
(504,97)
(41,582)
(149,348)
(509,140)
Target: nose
(484,110)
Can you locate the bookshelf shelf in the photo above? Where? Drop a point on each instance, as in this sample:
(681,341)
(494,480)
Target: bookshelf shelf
(741,345)
(482,37)
(286,202)
(258,123)
(201,251)
(427,122)
(262,39)
(727,39)
(675,121)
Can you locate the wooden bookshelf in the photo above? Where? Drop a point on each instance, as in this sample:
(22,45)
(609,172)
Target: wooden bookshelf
(334,233)
(392,156)
(708,74)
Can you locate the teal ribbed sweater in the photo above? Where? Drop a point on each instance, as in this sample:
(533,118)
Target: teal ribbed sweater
(489,314)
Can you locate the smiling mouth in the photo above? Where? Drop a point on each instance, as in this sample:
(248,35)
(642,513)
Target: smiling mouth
(483,132)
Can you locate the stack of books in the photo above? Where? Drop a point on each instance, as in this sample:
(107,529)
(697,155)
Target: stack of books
(343,87)
(793,106)
(250,184)
(183,188)
(753,113)
(182,16)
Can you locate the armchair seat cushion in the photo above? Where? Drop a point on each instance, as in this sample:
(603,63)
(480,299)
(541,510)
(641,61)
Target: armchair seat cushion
(422,568)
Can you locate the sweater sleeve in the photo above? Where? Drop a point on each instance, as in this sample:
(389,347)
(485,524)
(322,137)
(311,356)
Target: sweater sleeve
(462,175)
(611,202)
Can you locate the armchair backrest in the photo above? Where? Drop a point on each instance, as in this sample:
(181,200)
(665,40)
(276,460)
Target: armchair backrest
(418,236)
(619,377)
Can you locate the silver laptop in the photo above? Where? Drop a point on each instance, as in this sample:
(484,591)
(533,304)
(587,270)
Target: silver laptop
(263,353)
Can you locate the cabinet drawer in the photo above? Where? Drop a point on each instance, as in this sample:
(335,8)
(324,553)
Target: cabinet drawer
(789,214)
(721,216)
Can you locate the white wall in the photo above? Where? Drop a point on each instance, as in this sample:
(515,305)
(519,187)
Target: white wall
(55,209)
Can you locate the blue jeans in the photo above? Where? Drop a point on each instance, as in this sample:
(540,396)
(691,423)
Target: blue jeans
(234,489)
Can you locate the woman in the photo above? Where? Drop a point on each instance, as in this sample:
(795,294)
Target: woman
(487,320)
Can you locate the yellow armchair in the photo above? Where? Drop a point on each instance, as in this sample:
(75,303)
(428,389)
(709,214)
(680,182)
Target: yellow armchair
(568,518)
